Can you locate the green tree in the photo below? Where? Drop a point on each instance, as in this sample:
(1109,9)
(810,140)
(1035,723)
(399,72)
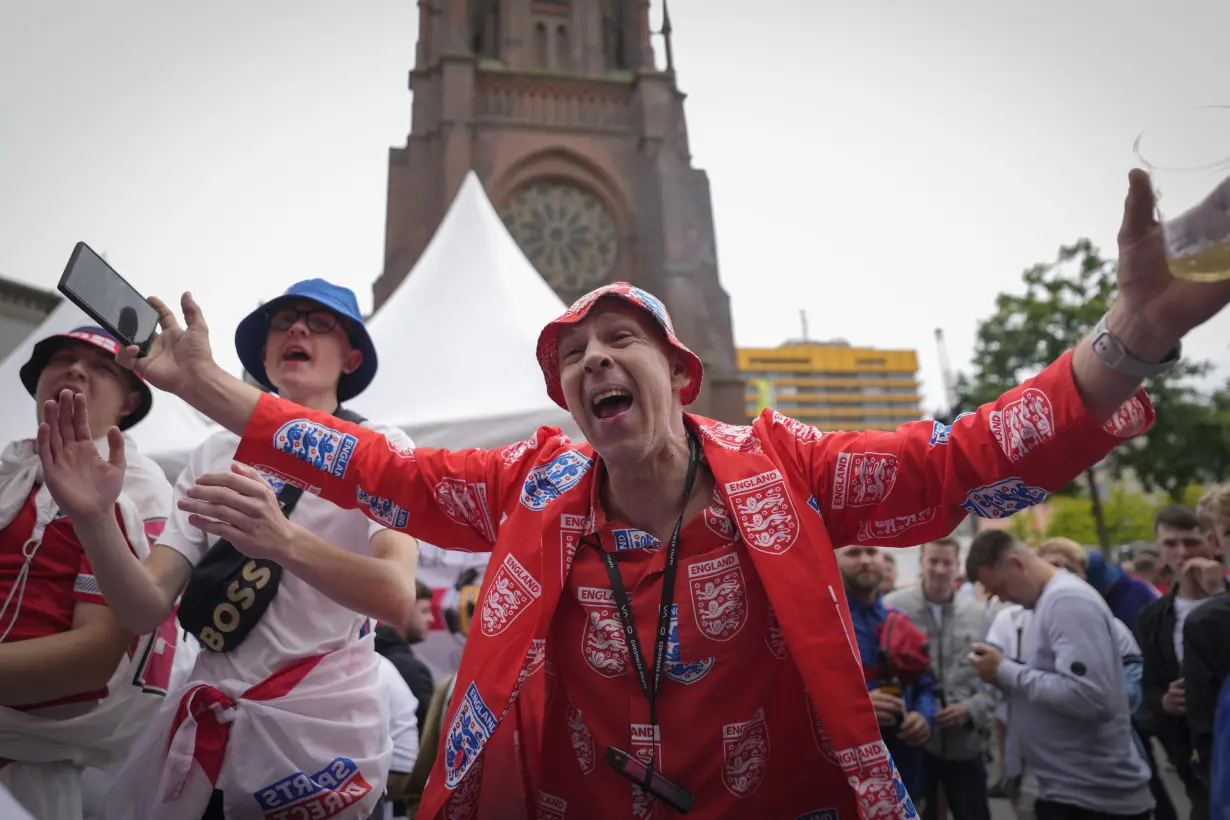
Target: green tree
(1127,516)
(1062,301)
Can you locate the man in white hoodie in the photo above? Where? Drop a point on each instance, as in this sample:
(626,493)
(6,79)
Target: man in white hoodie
(75,686)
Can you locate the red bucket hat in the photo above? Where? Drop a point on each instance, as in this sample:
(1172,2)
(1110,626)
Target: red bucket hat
(548,356)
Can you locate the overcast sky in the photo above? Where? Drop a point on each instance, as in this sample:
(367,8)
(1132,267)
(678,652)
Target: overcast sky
(888,166)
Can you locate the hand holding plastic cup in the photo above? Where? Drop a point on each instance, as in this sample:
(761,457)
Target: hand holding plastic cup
(1187,156)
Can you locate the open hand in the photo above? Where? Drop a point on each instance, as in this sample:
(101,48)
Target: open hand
(80,480)
(1154,309)
(177,356)
(241,507)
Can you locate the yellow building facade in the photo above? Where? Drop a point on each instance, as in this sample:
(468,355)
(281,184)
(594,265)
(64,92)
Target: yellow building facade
(832,385)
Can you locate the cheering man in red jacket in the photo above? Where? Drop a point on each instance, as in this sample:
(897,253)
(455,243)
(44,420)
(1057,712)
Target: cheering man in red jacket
(662,624)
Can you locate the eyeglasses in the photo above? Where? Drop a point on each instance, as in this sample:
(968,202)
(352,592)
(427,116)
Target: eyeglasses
(317,321)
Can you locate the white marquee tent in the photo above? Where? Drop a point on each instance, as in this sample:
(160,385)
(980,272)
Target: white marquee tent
(457,338)
(169,434)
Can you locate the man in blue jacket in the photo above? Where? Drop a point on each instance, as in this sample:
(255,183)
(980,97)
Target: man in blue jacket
(1125,595)
(901,688)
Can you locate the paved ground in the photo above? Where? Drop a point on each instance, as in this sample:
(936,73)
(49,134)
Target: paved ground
(1002,809)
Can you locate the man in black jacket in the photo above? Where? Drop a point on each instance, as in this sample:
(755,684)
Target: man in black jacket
(1206,666)
(1206,640)
(391,643)
(1187,549)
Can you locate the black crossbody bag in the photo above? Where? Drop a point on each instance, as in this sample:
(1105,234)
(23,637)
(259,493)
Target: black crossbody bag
(229,592)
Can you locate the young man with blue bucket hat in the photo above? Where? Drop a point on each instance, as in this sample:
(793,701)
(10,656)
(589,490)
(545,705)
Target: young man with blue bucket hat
(286,711)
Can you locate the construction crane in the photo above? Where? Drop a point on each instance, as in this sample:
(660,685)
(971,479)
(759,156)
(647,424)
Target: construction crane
(950,383)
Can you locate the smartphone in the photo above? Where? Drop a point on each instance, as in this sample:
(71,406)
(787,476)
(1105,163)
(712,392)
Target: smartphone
(660,786)
(95,287)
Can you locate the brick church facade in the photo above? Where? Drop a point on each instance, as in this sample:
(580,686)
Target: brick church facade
(582,145)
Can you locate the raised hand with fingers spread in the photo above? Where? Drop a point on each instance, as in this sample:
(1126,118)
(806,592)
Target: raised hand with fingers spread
(177,355)
(80,480)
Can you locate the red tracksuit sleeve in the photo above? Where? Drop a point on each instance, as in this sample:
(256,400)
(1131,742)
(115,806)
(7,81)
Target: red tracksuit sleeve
(454,500)
(906,488)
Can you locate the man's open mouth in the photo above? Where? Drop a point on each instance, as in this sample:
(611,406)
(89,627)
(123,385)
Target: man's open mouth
(295,354)
(610,403)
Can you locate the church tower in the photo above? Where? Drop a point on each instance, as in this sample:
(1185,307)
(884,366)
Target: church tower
(582,145)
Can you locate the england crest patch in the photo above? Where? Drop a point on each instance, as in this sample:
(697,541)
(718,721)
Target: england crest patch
(462,804)
(582,740)
(888,528)
(764,511)
(383,510)
(572,527)
(717,518)
(278,480)
(469,732)
(1002,499)
(551,807)
(740,438)
(803,432)
(547,482)
(634,539)
(602,640)
(647,748)
(719,598)
(514,452)
(1024,424)
(774,638)
(821,736)
(466,503)
(1129,420)
(512,591)
(403,450)
(863,479)
(677,669)
(745,755)
(324,448)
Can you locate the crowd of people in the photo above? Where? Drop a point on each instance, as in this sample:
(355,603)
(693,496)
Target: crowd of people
(1055,658)
(679,615)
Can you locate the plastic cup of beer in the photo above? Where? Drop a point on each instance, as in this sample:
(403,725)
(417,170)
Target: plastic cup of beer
(1187,156)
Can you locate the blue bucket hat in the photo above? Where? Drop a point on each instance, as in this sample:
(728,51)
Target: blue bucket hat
(253,331)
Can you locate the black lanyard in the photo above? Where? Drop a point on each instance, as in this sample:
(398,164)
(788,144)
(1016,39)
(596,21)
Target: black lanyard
(623,606)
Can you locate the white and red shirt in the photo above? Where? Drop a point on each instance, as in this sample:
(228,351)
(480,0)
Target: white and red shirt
(60,578)
(301,622)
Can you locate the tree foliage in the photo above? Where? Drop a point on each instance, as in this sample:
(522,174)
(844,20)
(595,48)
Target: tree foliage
(1127,516)
(1062,300)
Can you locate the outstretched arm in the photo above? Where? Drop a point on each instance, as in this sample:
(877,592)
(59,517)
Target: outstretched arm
(241,507)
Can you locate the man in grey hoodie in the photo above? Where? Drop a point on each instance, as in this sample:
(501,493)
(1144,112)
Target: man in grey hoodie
(953,758)
(1067,696)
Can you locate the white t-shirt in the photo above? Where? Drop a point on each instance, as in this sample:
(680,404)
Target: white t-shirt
(96,782)
(403,724)
(300,622)
(1005,632)
(1182,608)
